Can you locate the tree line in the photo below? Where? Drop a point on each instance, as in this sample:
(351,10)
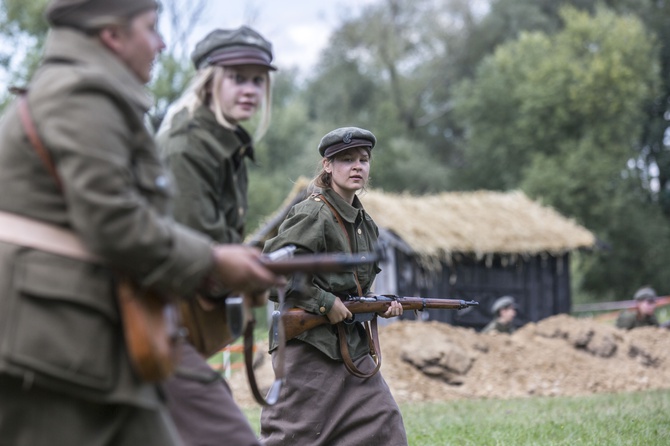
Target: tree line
(565,100)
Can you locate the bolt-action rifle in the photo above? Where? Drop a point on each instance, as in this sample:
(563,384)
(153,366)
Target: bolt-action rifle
(297,321)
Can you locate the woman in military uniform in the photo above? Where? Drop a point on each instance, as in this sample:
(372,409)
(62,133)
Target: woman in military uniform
(97,206)
(207,149)
(322,401)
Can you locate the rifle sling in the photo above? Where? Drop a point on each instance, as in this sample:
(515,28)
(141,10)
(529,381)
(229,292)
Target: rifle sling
(273,394)
(370,327)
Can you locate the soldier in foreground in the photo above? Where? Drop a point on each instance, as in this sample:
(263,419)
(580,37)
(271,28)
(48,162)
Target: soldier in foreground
(96,198)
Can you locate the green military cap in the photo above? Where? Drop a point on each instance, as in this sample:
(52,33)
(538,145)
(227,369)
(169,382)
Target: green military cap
(645,293)
(85,14)
(502,302)
(345,138)
(228,47)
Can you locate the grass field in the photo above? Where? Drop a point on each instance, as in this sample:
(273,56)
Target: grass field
(600,420)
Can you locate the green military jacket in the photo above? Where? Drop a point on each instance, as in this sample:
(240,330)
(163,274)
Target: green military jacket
(631,319)
(207,161)
(496,325)
(59,323)
(312,227)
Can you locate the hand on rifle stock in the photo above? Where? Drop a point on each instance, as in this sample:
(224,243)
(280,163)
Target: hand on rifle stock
(239,267)
(338,312)
(395,309)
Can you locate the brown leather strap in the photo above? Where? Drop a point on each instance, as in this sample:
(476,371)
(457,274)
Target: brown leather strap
(375,351)
(338,217)
(273,394)
(33,137)
(370,327)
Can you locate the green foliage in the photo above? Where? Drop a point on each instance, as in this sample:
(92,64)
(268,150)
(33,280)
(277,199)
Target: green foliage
(558,115)
(171,78)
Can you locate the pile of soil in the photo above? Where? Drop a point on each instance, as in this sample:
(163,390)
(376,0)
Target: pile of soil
(560,355)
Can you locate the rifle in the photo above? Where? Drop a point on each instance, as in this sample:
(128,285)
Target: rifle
(297,321)
(284,262)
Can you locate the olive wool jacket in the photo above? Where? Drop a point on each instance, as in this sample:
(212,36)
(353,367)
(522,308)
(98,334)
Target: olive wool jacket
(313,228)
(59,323)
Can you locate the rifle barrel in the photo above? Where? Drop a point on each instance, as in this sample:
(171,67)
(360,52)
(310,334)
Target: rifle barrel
(315,263)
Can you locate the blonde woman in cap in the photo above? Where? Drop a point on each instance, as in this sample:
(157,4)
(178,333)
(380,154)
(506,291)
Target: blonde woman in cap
(207,149)
(504,310)
(93,197)
(332,395)
(644,313)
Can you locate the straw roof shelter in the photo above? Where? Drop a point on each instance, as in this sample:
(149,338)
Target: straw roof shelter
(469,245)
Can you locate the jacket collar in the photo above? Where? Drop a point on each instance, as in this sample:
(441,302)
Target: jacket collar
(348,212)
(78,48)
(232,141)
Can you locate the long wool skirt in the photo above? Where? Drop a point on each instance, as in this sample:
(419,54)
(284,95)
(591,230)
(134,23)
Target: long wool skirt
(321,403)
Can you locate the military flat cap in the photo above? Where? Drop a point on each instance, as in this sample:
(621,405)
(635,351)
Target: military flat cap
(502,302)
(228,47)
(645,293)
(85,14)
(345,138)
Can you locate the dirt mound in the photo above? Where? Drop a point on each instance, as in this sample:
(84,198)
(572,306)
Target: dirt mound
(561,355)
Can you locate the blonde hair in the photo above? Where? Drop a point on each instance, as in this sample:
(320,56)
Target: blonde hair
(205,89)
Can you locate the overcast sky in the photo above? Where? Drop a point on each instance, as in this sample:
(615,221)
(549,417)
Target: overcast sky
(298,29)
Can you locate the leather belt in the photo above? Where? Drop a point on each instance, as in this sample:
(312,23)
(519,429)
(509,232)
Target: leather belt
(24,231)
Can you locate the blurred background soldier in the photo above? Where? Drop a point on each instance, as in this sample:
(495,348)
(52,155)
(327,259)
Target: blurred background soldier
(504,309)
(643,313)
(206,149)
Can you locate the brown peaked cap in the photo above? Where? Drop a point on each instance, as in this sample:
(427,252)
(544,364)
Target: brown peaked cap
(83,13)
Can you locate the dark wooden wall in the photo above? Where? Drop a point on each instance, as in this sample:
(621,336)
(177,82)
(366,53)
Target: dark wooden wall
(540,285)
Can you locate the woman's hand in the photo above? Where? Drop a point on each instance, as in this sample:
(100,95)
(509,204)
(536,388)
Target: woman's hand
(392,311)
(338,313)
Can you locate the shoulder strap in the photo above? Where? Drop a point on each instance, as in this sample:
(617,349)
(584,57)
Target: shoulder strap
(33,137)
(370,327)
(338,217)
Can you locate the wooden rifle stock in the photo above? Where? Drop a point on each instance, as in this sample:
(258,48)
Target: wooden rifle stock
(297,321)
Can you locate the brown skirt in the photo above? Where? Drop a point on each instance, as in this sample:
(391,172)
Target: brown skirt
(322,404)
(205,413)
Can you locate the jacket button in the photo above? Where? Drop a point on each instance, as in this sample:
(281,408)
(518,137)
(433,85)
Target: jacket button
(322,310)
(360,231)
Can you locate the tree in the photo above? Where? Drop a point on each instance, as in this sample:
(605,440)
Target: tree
(558,116)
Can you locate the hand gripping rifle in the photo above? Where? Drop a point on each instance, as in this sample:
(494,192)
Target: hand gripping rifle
(284,262)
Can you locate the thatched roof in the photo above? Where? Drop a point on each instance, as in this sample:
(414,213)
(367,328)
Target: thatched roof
(479,223)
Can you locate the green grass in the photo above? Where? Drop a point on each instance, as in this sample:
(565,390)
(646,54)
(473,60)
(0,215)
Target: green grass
(608,419)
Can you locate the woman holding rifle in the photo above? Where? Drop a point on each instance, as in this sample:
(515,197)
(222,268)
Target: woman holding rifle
(334,393)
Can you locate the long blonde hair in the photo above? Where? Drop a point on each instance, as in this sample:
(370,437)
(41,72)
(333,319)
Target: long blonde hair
(205,88)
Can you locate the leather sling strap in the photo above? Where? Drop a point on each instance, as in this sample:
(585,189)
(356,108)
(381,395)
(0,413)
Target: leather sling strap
(370,326)
(280,363)
(31,132)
